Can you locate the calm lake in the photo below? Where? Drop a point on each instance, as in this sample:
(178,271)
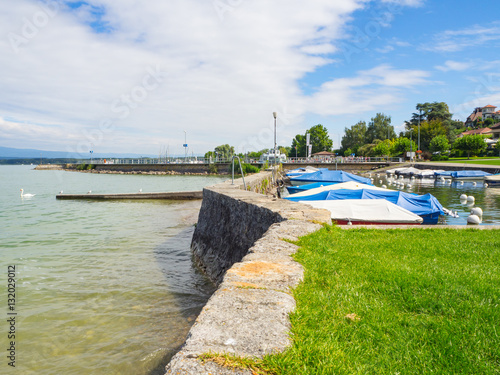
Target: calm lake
(101,287)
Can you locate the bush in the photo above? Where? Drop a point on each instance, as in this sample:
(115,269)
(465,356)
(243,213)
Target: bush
(247,168)
(426,155)
(212,168)
(439,157)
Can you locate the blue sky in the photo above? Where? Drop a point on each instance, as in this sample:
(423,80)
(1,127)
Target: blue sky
(131,76)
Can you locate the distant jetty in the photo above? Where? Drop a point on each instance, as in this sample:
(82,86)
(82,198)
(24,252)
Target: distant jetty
(182,195)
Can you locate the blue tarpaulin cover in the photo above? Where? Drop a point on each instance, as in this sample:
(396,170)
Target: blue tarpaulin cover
(298,189)
(418,204)
(331,176)
(469,174)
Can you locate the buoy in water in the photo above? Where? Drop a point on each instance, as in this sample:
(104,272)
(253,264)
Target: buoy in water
(473,219)
(470,198)
(463,197)
(476,211)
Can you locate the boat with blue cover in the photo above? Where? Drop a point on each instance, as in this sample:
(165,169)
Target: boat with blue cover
(426,206)
(366,212)
(329,177)
(469,175)
(301,188)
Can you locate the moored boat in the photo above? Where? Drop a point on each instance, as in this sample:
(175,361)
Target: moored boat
(469,175)
(426,206)
(367,212)
(328,176)
(493,180)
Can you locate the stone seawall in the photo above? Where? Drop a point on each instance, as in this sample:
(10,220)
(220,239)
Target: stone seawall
(240,241)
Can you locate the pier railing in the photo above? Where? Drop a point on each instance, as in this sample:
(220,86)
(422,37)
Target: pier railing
(201,160)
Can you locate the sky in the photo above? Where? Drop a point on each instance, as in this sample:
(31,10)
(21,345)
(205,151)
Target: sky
(147,77)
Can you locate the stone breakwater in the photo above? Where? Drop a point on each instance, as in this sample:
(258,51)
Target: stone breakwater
(241,243)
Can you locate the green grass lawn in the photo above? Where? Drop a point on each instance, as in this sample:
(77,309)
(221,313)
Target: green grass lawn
(412,301)
(484,161)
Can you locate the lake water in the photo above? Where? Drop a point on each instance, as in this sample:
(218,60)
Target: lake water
(101,287)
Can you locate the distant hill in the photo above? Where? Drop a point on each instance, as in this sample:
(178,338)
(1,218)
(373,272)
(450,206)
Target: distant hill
(25,153)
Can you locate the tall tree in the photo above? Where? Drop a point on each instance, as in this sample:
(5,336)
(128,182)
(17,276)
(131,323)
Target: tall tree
(439,144)
(224,151)
(319,139)
(379,128)
(472,144)
(354,137)
(429,112)
(299,146)
(402,145)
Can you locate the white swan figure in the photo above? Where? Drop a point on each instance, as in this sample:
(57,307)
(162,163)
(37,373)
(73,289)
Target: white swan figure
(26,195)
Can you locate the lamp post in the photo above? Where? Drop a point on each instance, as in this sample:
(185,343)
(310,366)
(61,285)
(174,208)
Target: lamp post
(411,146)
(275,115)
(419,115)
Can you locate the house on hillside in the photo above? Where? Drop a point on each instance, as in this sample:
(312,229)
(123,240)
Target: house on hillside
(494,131)
(482,131)
(485,112)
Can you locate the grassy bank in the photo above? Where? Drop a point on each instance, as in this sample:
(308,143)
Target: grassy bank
(483,161)
(396,302)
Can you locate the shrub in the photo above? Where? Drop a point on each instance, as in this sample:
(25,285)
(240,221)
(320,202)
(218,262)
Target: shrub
(212,168)
(439,157)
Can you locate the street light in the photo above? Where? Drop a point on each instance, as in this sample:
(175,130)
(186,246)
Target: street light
(275,114)
(419,114)
(411,145)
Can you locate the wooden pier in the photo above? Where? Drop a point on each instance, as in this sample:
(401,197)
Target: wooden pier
(182,195)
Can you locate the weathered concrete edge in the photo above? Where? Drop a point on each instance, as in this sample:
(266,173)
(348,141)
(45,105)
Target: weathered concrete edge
(248,314)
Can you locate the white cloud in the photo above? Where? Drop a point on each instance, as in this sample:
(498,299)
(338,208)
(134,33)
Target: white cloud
(411,3)
(385,49)
(454,66)
(459,40)
(377,87)
(221,72)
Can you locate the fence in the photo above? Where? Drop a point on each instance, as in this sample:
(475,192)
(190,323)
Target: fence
(201,160)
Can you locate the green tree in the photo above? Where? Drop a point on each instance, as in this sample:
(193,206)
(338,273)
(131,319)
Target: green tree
(348,152)
(472,144)
(224,151)
(402,145)
(285,150)
(256,154)
(488,122)
(354,137)
(383,148)
(439,144)
(430,112)
(497,147)
(319,138)
(379,128)
(299,146)
(210,154)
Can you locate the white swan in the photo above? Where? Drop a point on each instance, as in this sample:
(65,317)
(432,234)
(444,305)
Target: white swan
(26,195)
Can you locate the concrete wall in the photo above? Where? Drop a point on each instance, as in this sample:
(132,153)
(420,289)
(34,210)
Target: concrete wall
(240,242)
